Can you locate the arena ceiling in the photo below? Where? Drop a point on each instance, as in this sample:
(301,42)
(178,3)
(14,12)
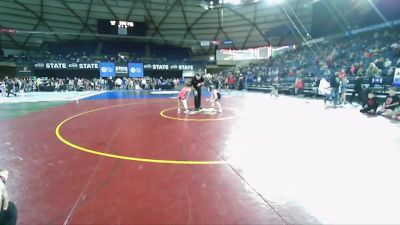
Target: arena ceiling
(179,22)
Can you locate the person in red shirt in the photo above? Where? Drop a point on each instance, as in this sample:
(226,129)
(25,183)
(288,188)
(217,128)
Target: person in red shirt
(342,74)
(182,97)
(291,72)
(232,82)
(299,86)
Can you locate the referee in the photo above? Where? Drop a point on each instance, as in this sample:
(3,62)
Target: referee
(197,83)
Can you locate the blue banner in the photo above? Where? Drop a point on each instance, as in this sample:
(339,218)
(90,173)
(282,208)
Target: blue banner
(228,42)
(107,69)
(135,69)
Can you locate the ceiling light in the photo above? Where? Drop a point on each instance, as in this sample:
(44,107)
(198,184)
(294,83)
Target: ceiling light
(276,2)
(235,2)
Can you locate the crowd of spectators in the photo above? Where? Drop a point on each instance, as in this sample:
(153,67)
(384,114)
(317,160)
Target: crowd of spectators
(17,85)
(370,55)
(355,65)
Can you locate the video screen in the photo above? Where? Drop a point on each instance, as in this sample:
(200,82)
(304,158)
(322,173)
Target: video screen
(119,27)
(231,57)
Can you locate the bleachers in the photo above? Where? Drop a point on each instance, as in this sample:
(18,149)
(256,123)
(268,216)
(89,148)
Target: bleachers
(328,58)
(169,52)
(115,47)
(72,47)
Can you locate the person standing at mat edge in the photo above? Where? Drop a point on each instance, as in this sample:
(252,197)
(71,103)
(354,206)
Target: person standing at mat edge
(197,83)
(8,210)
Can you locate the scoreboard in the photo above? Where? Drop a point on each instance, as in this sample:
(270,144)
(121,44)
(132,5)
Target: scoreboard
(121,27)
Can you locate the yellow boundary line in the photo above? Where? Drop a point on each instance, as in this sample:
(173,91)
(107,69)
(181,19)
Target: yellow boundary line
(92,151)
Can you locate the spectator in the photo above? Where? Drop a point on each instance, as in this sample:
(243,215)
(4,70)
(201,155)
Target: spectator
(299,86)
(342,73)
(327,72)
(372,70)
(291,72)
(353,69)
(118,83)
(344,83)
(143,83)
(396,49)
(397,115)
(371,106)
(390,107)
(3,88)
(226,82)
(110,83)
(334,84)
(388,63)
(380,63)
(315,85)
(357,90)
(8,210)
(10,87)
(241,82)
(231,82)
(361,71)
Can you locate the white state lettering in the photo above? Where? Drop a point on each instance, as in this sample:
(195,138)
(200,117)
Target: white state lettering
(61,65)
(161,67)
(122,69)
(56,65)
(88,66)
(186,67)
